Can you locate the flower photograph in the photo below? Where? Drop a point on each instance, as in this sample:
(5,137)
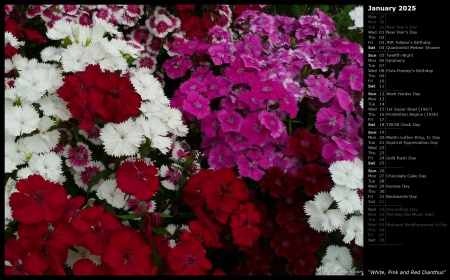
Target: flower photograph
(206,139)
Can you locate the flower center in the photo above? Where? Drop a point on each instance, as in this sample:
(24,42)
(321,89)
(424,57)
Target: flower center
(197,104)
(39,196)
(191,260)
(285,243)
(333,121)
(127,257)
(311,179)
(305,143)
(277,182)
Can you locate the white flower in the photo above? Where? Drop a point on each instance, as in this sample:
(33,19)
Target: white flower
(48,165)
(51,54)
(107,27)
(357,15)
(171,183)
(322,218)
(44,140)
(339,254)
(348,200)
(109,191)
(333,268)
(52,105)
(33,83)
(113,63)
(121,139)
(8,65)
(148,87)
(82,179)
(361,103)
(348,173)
(97,53)
(9,38)
(171,228)
(14,151)
(160,18)
(172,118)
(76,58)
(23,173)
(353,228)
(80,253)
(55,77)
(155,130)
(10,188)
(21,119)
(23,63)
(60,30)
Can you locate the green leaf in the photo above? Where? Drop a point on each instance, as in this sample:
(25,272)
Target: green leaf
(75,133)
(129,216)
(165,215)
(100,175)
(161,231)
(156,259)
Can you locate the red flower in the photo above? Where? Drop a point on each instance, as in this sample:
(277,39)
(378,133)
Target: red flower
(22,260)
(192,193)
(303,263)
(129,254)
(185,7)
(38,200)
(314,178)
(10,51)
(258,259)
(77,92)
(285,244)
(188,257)
(311,239)
(72,212)
(95,228)
(278,183)
(115,98)
(219,271)
(160,243)
(303,142)
(238,9)
(291,215)
(205,232)
(138,178)
(224,193)
(192,24)
(56,242)
(245,225)
(88,267)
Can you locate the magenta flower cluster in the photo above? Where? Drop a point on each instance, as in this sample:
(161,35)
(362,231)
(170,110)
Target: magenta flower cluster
(244,87)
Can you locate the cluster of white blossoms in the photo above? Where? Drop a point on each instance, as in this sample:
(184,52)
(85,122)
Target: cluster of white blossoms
(357,15)
(342,207)
(35,114)
(337,261)
(347,177)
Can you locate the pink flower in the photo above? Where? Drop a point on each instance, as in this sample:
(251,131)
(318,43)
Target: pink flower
(229,120)
(252,164)
(222,156)
(177,66)
(220,53)
(196,105)
(271,122)
(254,130)
(78,157)
(329,122)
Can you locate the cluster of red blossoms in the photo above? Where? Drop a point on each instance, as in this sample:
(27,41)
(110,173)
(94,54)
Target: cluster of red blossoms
(50,224)
(93,93)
